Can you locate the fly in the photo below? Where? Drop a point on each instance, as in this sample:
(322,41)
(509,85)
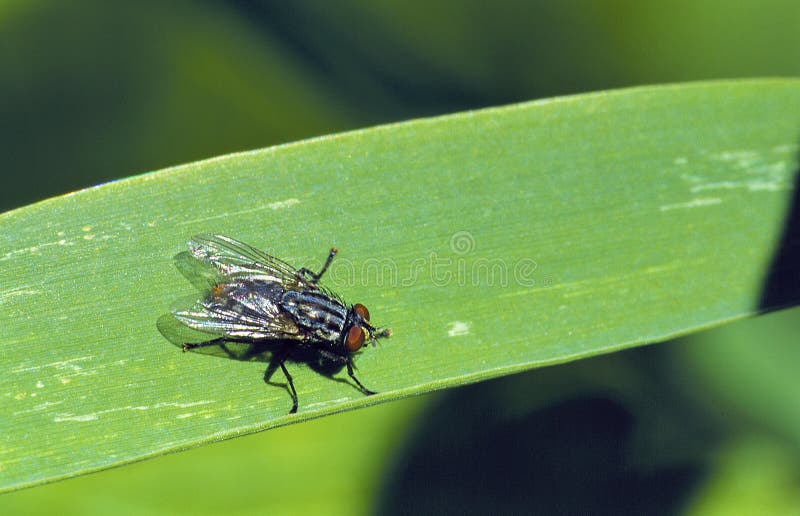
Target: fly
(255,298)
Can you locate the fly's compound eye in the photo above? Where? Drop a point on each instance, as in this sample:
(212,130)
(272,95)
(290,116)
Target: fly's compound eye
(355,338)
(362,311)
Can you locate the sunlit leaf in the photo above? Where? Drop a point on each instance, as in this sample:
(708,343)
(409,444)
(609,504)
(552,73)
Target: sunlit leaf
(491,242)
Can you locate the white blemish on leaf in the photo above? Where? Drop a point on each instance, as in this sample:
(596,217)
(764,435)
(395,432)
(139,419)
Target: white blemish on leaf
(326,403)
(96,415)
(747,169)
(458,329)
(739,158)
(16,292)
(205,413)
(80,419)
(591,286)
(283,204)
(61,365)
(271,206)
(694,203)
(762,170)
(39,407)
(32,249)
(785,149)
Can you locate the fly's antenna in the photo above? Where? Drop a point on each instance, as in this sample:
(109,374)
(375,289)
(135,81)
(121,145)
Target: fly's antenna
(379,333)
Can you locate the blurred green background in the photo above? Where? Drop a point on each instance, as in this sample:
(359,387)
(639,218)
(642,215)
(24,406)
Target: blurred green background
(91,91)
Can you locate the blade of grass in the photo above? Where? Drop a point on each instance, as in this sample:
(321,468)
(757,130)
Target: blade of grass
(491,242)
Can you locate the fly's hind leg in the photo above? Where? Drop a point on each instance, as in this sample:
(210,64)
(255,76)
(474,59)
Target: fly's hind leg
(221,342)
(291,388)
(314,278)
(213,342)
(278,360)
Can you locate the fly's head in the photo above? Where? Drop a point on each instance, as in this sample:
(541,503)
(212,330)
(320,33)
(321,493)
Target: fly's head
(360,329)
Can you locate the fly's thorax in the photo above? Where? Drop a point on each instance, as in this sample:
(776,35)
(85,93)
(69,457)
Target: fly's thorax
(319,315)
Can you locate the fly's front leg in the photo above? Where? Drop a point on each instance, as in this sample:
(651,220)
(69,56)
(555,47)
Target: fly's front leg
(314,278)
(353,376)
(333,357)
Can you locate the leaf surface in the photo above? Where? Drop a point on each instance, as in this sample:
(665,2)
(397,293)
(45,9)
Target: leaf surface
(491,242)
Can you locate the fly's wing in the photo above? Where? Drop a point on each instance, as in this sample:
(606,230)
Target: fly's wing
(233,258)
(201,274)
(245,308)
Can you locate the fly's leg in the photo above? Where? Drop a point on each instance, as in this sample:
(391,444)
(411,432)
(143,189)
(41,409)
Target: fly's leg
(291,388)
(221,342)
(349,363)
(314,278)
(278,361)
(353,376)
(212,342)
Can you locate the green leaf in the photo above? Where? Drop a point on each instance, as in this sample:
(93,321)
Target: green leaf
(491,242)
(757,382)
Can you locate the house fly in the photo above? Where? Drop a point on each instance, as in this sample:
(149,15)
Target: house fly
(254,298)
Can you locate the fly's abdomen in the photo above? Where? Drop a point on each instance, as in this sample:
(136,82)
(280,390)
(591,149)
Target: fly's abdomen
(321,316)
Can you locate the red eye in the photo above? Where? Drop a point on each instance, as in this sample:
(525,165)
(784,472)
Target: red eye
(362,311)
(355,339)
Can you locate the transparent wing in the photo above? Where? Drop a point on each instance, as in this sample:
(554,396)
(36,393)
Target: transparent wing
(200,273)
(244,308)
(233,258)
